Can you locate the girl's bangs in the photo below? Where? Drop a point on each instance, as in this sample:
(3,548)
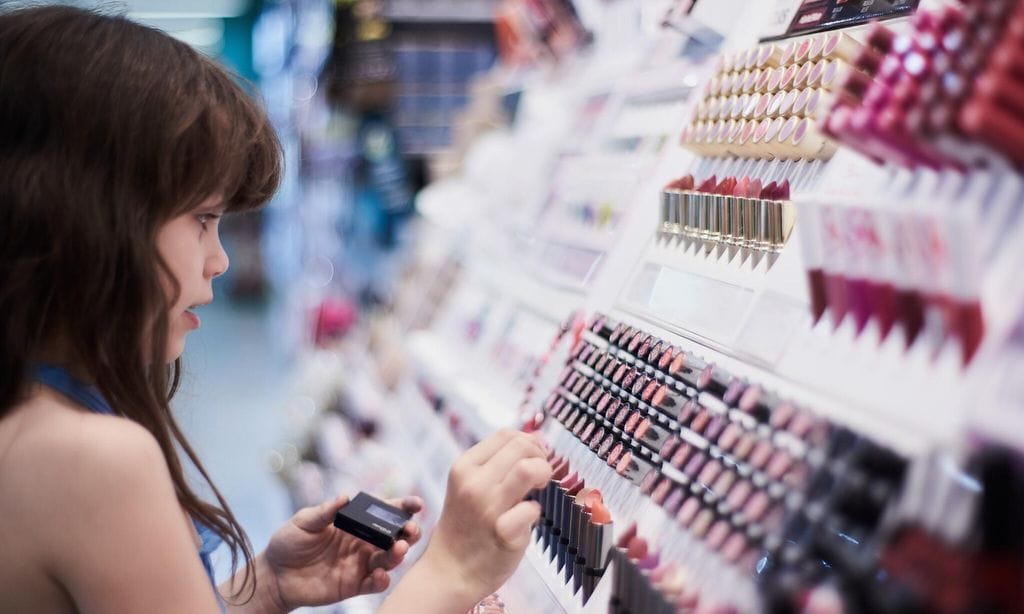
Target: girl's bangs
(230,149)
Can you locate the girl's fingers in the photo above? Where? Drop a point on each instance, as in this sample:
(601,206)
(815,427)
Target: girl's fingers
(318,518)
(483,451)
(526,475)
(377,581)
(412,532)
(513,527)
(389,559)
(412,505)
(517,449)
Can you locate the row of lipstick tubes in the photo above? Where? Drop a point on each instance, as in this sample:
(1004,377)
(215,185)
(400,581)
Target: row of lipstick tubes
(825,74)
(710,443)
(957,75)
(822,46)
(785,138)
(651,412)
(743,512)
(733,488)
(576,534)
(621,351)
(739,535)
(701,422)
(615,395)
(734,212)
(574,529)
(710,449)
(670,583)
(810,102)
(732,513)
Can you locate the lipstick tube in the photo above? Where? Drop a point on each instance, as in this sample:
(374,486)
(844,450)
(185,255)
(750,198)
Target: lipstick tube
(734,227)
(725,221)
(866,60)
(651,434)
(702,212)
(668,401)
(618,556)
(599,545)
(567,504)
(714,221)
(880,38)
(808,143)
(574,570)
(548,504)
(577,517)
(667,218)
(558,522)
(751,223)
(766,218)
(689,212)
(837,73)
(782,220)
(544,522)
(686,367)
(989,122)
(768,55)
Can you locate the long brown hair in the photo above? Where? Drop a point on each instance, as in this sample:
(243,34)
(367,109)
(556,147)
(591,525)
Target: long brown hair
(109,129)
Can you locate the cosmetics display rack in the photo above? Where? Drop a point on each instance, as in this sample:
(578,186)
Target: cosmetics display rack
(776,353)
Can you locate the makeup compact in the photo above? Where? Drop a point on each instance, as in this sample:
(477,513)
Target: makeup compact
(372,520)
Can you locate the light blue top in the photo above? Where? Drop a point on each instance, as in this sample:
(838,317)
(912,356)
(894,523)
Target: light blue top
(63,382)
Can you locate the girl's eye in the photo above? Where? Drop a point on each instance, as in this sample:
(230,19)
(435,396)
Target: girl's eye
(205,218)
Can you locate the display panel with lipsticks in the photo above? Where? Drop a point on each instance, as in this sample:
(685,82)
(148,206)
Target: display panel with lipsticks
(919,268)
(946,94)
(731,214)
(765,102)
(730,465)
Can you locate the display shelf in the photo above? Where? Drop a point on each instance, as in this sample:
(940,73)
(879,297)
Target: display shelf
(533,256)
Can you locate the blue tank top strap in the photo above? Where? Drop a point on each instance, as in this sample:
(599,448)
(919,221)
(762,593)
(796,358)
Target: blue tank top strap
(63,382)
(209,541)
(89,397)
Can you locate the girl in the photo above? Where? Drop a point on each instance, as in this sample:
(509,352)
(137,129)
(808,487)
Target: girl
(120,149)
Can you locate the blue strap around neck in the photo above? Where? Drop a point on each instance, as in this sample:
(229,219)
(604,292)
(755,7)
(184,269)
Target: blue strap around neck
(63,382)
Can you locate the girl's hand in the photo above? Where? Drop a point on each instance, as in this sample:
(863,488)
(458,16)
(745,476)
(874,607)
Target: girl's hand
(314,563)
(485,525)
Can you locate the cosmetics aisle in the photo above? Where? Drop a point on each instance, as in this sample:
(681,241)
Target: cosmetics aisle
(750,268)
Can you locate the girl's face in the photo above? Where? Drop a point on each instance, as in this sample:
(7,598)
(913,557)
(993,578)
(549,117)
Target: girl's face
(190,245)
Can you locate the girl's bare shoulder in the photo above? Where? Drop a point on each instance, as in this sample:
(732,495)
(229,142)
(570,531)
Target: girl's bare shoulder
(52,451)
(47,424)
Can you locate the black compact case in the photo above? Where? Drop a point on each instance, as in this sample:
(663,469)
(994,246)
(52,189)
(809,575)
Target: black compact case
(372,520)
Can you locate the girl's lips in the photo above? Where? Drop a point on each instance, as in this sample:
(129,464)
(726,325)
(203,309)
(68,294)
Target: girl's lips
(193,319)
